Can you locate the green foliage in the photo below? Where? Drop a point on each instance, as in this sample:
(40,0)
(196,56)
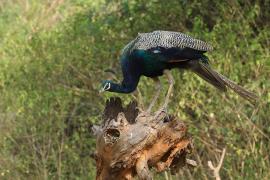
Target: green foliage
(53,57)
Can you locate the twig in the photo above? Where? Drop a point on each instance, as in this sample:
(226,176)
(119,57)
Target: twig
(166,175)
(204,176)
(191,162)
(217,169)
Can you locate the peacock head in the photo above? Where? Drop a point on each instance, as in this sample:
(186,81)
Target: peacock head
(106,85)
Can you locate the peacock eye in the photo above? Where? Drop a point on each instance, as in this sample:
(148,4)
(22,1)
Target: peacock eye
(107,86)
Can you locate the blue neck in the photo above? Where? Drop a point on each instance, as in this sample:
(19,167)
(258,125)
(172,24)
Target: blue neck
(127,86)
(131,75)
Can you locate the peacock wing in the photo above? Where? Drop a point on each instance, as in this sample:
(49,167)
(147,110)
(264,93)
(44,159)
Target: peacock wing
(167,39)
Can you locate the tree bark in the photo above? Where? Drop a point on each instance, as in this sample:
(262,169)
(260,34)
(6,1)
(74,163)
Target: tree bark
(129,143)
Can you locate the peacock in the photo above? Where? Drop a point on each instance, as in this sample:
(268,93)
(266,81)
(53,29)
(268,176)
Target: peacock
(155,53)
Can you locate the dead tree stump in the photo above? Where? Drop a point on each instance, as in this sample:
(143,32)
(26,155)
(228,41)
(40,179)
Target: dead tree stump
(129,143)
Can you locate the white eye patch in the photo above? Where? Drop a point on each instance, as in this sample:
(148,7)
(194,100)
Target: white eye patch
(107,86)
(156,51)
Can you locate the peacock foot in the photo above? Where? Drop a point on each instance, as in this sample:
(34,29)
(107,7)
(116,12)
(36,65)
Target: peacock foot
(143,114)
(160,112)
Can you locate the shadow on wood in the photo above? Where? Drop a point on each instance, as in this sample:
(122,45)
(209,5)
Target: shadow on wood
(129,143)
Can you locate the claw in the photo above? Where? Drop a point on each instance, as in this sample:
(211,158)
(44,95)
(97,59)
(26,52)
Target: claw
(143,114)
(160,112)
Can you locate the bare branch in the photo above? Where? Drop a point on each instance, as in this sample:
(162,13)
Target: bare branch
(217,169)
(191,162)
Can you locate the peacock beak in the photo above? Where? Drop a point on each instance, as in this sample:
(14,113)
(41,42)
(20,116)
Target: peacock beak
(101,90)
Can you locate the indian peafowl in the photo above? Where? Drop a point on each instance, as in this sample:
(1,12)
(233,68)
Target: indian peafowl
(154,54)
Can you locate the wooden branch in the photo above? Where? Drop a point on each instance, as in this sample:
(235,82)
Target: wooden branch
(129,143)
(217,169)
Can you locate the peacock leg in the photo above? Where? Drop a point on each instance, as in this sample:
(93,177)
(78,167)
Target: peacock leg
(158,89)
(171,83)
(167,98)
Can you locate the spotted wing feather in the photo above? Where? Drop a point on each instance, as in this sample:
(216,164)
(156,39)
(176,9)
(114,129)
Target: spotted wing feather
(166,39)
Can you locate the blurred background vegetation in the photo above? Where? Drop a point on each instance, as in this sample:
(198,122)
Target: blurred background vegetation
(53,54)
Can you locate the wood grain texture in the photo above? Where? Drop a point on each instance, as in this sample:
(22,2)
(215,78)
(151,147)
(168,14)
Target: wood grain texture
(129,143)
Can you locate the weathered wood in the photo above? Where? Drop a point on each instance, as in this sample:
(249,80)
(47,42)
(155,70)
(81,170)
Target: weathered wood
(129,142)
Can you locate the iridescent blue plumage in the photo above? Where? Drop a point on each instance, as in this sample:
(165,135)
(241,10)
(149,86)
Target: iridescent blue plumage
(149,54)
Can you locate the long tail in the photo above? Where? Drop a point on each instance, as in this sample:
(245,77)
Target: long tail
(221,82)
